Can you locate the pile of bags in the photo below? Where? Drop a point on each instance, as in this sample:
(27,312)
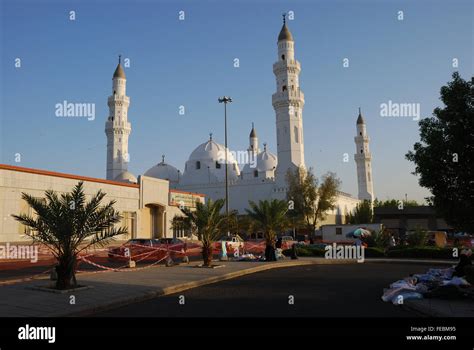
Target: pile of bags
(434,283)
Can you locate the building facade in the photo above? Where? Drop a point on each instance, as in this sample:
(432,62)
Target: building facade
(147,207)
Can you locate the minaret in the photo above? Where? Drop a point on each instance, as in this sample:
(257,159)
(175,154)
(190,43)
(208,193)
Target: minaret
(363,161)
(117,127)
(253,143)
(288,103)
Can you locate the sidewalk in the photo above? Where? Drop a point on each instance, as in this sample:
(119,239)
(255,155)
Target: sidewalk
(112,289)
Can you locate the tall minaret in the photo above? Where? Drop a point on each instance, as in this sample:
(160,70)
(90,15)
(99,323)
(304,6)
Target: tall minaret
(288,103)
(363,161)
(253,143)
(117,127)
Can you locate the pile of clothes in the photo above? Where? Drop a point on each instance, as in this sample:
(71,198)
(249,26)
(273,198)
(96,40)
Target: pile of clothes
(436,283)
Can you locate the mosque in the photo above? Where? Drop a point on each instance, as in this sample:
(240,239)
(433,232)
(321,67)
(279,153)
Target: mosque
(263,177)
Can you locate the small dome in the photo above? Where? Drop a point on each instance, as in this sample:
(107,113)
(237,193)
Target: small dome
(163,171)
(265,161)
(285,34)
(126,176)
(119,72)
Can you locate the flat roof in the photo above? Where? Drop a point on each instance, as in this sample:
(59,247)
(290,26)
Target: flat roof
(65,176)
(186,192)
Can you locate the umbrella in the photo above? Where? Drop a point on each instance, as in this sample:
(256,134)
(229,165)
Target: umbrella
(358,233)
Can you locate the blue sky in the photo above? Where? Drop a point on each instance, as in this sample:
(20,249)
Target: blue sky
(190,63)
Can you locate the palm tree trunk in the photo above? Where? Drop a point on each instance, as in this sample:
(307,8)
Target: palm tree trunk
(270,248)
(65,272)
(207,254)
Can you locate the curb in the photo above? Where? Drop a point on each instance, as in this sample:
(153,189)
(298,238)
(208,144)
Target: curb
(190,285)
(411,261)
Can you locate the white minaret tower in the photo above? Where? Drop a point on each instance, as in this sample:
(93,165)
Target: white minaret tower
(363,160)
(253,143)
(288,103)
(117,127)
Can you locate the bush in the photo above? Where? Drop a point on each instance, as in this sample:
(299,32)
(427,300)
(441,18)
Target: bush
(374,252)
(420,252)
(377,252)
(306,251)
(417,238)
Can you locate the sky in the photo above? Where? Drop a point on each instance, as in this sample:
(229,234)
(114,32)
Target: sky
(190,63)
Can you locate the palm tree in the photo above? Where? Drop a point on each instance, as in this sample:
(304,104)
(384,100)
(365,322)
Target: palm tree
(208,223)
(67,225)
(269,216)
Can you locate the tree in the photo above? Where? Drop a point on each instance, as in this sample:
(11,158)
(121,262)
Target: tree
(395,203)
(444,157)
(311,201)
(362,214)
(270,217)
(68,225)
(418,238)
(208,223)
(379,239)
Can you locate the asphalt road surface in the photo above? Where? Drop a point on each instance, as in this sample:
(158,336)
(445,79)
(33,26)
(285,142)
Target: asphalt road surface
(318,290)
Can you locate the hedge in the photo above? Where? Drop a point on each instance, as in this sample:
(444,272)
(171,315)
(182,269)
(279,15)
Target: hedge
(375,252)
(421,252)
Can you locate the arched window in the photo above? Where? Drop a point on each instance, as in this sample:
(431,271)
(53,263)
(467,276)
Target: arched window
(218,165)
(284,88)
(283,57)
(255,173)
(198,165)
(297,138)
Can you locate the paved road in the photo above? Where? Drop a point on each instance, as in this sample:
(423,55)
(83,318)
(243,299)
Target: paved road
(318,290)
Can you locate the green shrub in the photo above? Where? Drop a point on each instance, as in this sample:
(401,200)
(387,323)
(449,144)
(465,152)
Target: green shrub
(374,252)
(420,252)
(417,238)
(306,251)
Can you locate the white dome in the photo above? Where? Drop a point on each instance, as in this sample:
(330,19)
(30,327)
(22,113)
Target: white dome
(265,161)
(163,171)
(126,176)
(206,164)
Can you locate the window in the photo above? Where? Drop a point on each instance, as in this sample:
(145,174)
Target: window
(283,57)
(255,173)
(296,135)
(361,151)
(284,88)
(338,230)
(198,165)
(360,133)
(218,165)
(368,175)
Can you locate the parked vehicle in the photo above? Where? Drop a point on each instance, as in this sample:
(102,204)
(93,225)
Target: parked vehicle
(287,242)
(232,243)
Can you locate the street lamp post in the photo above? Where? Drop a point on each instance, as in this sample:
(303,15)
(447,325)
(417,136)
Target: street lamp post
(226,100)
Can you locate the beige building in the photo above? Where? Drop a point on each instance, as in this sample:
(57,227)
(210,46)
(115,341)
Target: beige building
(147,207)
